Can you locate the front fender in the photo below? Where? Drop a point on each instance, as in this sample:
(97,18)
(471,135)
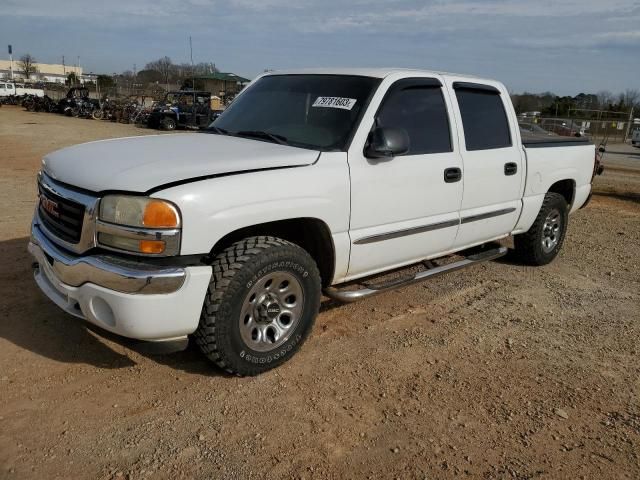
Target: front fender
(213,208)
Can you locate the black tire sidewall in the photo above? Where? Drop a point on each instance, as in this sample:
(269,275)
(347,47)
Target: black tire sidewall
(239,355)
(169,124)
(554,202)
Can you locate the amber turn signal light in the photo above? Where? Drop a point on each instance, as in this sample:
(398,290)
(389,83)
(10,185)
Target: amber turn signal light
(151,246)
(159,214)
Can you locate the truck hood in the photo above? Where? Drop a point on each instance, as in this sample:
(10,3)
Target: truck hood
(139,164)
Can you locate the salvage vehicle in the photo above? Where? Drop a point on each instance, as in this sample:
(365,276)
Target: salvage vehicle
(77,103)
(635,135)
(310,182)
(19,89)
(182,109)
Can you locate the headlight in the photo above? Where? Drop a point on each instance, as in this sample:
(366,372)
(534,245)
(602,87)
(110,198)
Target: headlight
(139,225)
(139,212)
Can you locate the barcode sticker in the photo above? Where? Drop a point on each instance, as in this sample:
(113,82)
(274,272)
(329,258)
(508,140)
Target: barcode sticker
(335,102)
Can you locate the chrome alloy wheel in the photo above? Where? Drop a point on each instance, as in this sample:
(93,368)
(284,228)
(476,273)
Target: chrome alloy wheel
(551,231)
(271,311)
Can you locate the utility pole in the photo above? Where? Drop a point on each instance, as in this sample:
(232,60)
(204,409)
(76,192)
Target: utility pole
(11,60)
(193,72)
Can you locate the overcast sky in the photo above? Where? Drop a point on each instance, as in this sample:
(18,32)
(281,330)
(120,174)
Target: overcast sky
(565,46)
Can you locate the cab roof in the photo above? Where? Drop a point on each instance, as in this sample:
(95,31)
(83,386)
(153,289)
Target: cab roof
(369,72)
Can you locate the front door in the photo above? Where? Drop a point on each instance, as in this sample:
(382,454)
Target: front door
(403,209)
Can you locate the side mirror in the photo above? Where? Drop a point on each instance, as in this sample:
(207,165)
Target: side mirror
(387,143)
(601,149)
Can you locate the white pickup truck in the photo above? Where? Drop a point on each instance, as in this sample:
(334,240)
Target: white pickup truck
(19,89)
(310,181)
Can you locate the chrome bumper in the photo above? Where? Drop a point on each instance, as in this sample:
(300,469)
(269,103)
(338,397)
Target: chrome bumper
(107,271)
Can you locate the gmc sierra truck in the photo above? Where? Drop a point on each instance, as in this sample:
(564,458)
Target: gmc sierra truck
(311,181)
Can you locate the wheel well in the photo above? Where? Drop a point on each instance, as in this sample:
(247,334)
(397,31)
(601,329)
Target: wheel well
(566,188)
(311,234)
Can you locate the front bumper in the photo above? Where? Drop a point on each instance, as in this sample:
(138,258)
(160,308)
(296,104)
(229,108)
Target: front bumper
(127,298)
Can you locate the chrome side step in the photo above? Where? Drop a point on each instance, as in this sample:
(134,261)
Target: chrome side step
(350,296)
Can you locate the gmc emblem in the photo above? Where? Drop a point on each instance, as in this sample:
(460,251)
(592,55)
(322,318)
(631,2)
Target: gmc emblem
(49,206)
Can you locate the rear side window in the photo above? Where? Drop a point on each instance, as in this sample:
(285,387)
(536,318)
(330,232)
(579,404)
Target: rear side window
(420,110)
(483,118)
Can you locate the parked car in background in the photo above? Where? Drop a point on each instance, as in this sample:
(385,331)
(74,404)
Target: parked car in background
(310,181)
(530,128)
(563,127)
(635,136)
(182,109)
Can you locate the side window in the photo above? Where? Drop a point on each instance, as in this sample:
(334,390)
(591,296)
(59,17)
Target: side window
(483,118)
(419,110)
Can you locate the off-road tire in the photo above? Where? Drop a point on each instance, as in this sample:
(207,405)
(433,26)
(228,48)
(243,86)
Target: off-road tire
(235,272)
(528,246)
(169,124)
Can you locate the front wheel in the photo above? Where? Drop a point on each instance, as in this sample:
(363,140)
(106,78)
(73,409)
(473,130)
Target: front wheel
(260,306)
(169,123)
(542,243)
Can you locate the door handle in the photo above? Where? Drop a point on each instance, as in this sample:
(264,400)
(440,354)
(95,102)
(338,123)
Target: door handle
(510,168)
(452,175)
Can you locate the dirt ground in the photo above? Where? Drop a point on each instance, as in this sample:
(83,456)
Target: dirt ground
(499,371)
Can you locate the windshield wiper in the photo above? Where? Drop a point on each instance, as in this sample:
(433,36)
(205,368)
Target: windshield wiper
(273,137)
(217,130)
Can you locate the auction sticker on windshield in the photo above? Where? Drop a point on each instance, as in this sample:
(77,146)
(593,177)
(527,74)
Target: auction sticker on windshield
(335,102)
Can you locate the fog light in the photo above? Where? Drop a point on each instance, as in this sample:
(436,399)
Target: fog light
(122,243)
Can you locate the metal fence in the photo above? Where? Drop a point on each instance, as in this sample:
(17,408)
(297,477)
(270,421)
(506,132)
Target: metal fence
(613,128)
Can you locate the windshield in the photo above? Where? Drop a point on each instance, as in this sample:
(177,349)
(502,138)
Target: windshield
(310,111)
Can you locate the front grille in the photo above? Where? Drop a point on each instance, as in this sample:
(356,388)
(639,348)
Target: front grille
(67,224)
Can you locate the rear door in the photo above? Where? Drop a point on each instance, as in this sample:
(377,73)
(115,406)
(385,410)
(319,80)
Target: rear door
(403,209)
(493,161)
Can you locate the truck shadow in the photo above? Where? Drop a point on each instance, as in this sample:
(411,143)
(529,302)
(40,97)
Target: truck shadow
(626,196)
(31,321)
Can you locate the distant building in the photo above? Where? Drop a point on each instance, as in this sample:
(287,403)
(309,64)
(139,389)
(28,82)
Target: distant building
(222,84)
(47,72)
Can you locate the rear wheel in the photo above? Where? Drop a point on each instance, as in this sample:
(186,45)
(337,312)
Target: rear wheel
(541,244)
(260,307)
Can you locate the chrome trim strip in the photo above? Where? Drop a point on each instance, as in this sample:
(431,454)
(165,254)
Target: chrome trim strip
(107,271)
(428,228)
(408,231)
(484,216)
(171,237)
